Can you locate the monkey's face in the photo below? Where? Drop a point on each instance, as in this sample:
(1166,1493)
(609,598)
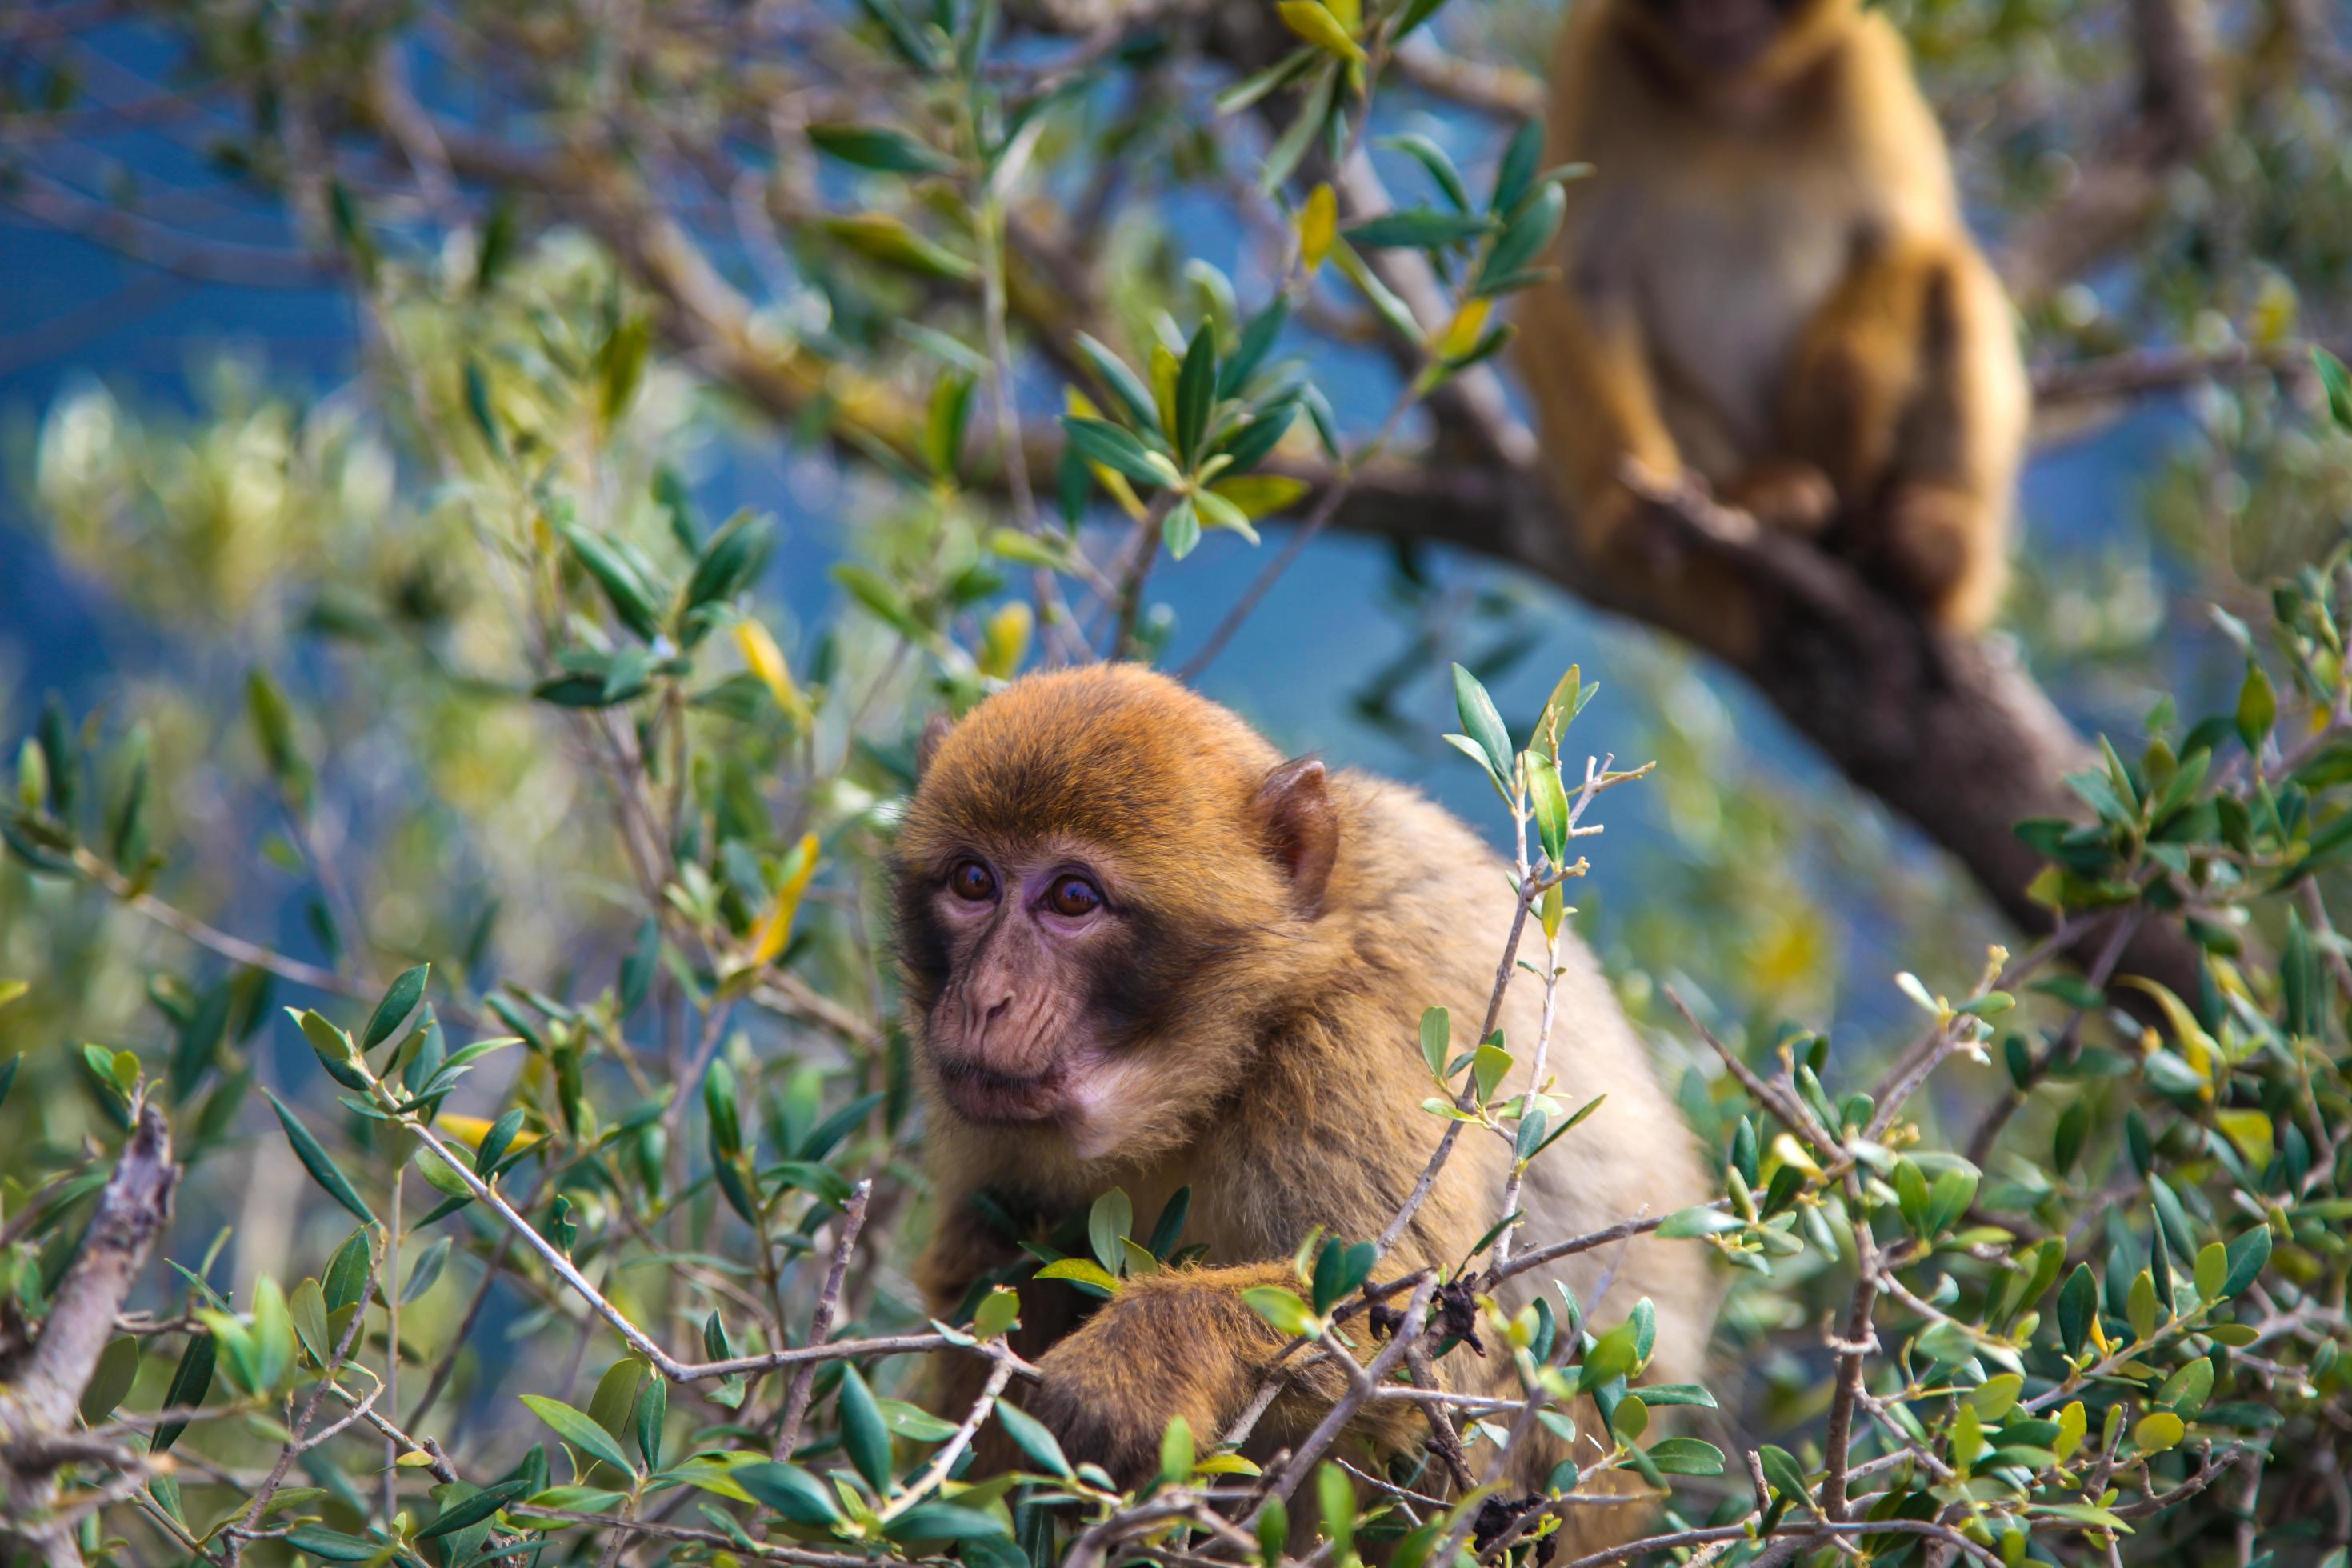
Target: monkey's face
(1102,882)
(1727,39)
(1020,940)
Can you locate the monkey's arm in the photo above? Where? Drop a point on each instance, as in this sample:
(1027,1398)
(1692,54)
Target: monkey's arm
(1910,392)
(1586,361)
(1180,1342)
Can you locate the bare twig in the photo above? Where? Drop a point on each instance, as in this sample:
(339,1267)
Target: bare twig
(828,1301)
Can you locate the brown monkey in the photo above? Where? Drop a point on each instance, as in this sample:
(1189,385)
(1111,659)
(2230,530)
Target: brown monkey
(1769,284)
(1142,949)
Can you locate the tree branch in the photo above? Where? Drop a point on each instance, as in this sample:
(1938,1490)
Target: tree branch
(38,1397)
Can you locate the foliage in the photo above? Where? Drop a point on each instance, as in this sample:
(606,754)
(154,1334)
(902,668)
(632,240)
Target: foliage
(490,913)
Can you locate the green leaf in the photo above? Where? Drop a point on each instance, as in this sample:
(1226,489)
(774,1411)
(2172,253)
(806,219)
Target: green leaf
(2075,1306)
(1033,1437)
(1176,1451)
(1100,441)
(1515,175)
(863,1435)
(997,1310)
(400,998)
(317,1161)
(2332,378)
(2074,1423)
(1549,798)
(474,1508)
(1112,1217)
(1684,1223)
(2257,707)
(1416,229)
(652,1410)
(1283,1310)
(1994,1398)
(1488,1068)
(2158,1431)
(2186,1390)
(346,1278)
(1340,1270)
(333,1545)
(1433,158)
(1436,1031)
(1525,237)
(309,1307)
(2213,1271)
(631,599)
(1787,1476)
(427,1270)
(333,1048)
(2140,1305)
(945,1522)
(1196,393)
(1126,388)
(110,1379)
(887,239)
(190,1382)
(1656,1394)
(2251,1131)
(273,1335)
(1257,340)
(1482,724)
(876,147)
(1686,1457)
(2249,1254)
(576,1428)
(1082,1271)
(792,1491)
(1180,531)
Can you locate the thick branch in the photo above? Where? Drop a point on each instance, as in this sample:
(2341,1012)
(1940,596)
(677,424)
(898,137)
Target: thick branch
(1950,733)
(40,1394)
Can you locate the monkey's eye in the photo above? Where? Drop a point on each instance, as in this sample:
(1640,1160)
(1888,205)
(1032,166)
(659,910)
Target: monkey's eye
(972,882)
(1074,896)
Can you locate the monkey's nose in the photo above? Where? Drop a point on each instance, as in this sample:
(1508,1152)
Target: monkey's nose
(986,1011)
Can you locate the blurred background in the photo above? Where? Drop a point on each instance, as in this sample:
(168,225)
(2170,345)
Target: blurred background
(284,287)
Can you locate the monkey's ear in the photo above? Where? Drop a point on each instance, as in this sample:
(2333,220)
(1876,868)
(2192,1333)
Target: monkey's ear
(1302,829)
(935,733)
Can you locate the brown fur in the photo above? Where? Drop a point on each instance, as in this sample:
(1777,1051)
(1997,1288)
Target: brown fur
(1768,283)
(1275,1063)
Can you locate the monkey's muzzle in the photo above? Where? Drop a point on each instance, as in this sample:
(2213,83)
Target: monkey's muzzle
(995,1098)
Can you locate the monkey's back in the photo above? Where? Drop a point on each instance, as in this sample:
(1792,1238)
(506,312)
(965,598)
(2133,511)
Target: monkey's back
(1430,900)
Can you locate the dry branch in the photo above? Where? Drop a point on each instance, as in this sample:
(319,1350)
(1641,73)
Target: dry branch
(39,1396)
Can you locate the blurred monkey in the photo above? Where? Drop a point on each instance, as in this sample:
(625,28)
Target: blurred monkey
(1768,285)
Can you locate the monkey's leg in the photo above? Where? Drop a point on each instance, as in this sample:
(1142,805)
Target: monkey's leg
(1179,1342)
(1584,358)
(1910,392)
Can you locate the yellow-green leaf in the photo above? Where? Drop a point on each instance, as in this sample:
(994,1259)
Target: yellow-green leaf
(1312,22)
(2159,1430)
(1318,220)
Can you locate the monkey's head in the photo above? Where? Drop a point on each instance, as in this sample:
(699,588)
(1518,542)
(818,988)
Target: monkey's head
(1727,41)
(1099,881)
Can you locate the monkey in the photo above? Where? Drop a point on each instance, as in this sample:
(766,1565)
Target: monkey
(1768,286)
(1142,949)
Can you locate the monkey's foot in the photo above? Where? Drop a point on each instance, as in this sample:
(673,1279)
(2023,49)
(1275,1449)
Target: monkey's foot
(1934,552)
(1783,493)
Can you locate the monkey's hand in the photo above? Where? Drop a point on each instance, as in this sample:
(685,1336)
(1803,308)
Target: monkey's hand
(1180,1343)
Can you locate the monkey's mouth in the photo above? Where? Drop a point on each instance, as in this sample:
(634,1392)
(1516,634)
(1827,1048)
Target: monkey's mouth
(998,1099)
